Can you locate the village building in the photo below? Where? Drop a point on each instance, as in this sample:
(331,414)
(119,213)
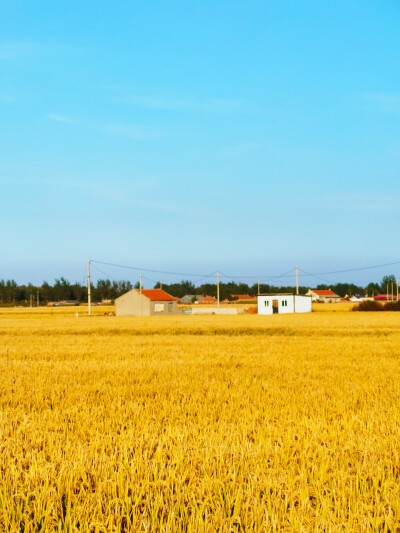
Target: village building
(63,303)
(207,300)
(243,298)
(189,298)
(271,304)
(323,295)
(146,302)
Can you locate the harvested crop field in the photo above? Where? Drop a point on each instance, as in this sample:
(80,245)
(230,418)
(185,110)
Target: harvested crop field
(188,423)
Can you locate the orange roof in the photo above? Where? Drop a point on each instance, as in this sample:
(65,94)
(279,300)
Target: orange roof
(207,299)
(243,296)
(324,292)
(158,295)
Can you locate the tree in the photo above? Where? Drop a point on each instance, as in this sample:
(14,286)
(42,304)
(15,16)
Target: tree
(386,283)
(372,289)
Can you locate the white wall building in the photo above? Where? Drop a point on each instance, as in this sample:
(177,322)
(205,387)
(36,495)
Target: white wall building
(271,304)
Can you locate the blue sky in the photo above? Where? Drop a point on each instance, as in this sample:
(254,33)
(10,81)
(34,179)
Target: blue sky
(189,136)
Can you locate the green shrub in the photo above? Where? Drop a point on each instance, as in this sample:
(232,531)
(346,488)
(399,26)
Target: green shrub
(369,305)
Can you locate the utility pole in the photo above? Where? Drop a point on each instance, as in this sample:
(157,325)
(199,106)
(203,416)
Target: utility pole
(37,299)
(392,292)
(387,291)
(297,279)
(218,288)
(89,293)
(30,301)
(397,289)
(160,283)
(258,289)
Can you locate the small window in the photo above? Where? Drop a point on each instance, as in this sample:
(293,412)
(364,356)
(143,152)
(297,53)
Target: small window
(170,307)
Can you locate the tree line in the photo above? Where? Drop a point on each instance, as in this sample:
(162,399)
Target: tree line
(62,289)
(104,289)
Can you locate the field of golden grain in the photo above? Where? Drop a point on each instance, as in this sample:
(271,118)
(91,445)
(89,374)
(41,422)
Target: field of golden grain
(188,423)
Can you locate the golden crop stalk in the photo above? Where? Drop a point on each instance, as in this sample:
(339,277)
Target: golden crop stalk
(188,423)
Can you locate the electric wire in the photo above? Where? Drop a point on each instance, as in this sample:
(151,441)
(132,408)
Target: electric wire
(287,274)
(139,269)
(356,269)
(303,272)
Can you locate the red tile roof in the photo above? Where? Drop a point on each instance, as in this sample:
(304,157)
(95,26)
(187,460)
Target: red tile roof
(207,300)
(243,297)
(158,295)
(324,292)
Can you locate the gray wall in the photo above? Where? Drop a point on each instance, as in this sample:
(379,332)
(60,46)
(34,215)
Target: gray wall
(132,304)
(170,308)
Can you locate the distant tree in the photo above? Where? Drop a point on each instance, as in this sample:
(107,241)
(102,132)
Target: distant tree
(372,289)
(386,283)
(178,289)
(10,290)
(46,292)
(20,295)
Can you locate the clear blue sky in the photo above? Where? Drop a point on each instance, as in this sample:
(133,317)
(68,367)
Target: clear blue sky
(188,136)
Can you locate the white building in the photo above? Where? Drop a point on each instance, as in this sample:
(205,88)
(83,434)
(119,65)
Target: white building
(271,304)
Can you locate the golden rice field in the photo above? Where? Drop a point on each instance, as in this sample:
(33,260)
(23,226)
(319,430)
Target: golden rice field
(199,424)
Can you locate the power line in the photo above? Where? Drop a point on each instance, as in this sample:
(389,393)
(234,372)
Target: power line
(356,269)
(287,274)
(140,269)
(266,278)
(316,277)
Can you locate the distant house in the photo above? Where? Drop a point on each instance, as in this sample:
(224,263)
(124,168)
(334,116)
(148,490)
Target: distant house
(321,295)
(188,298)
(63,303)
(243,298)
(146,302)
(207,300)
